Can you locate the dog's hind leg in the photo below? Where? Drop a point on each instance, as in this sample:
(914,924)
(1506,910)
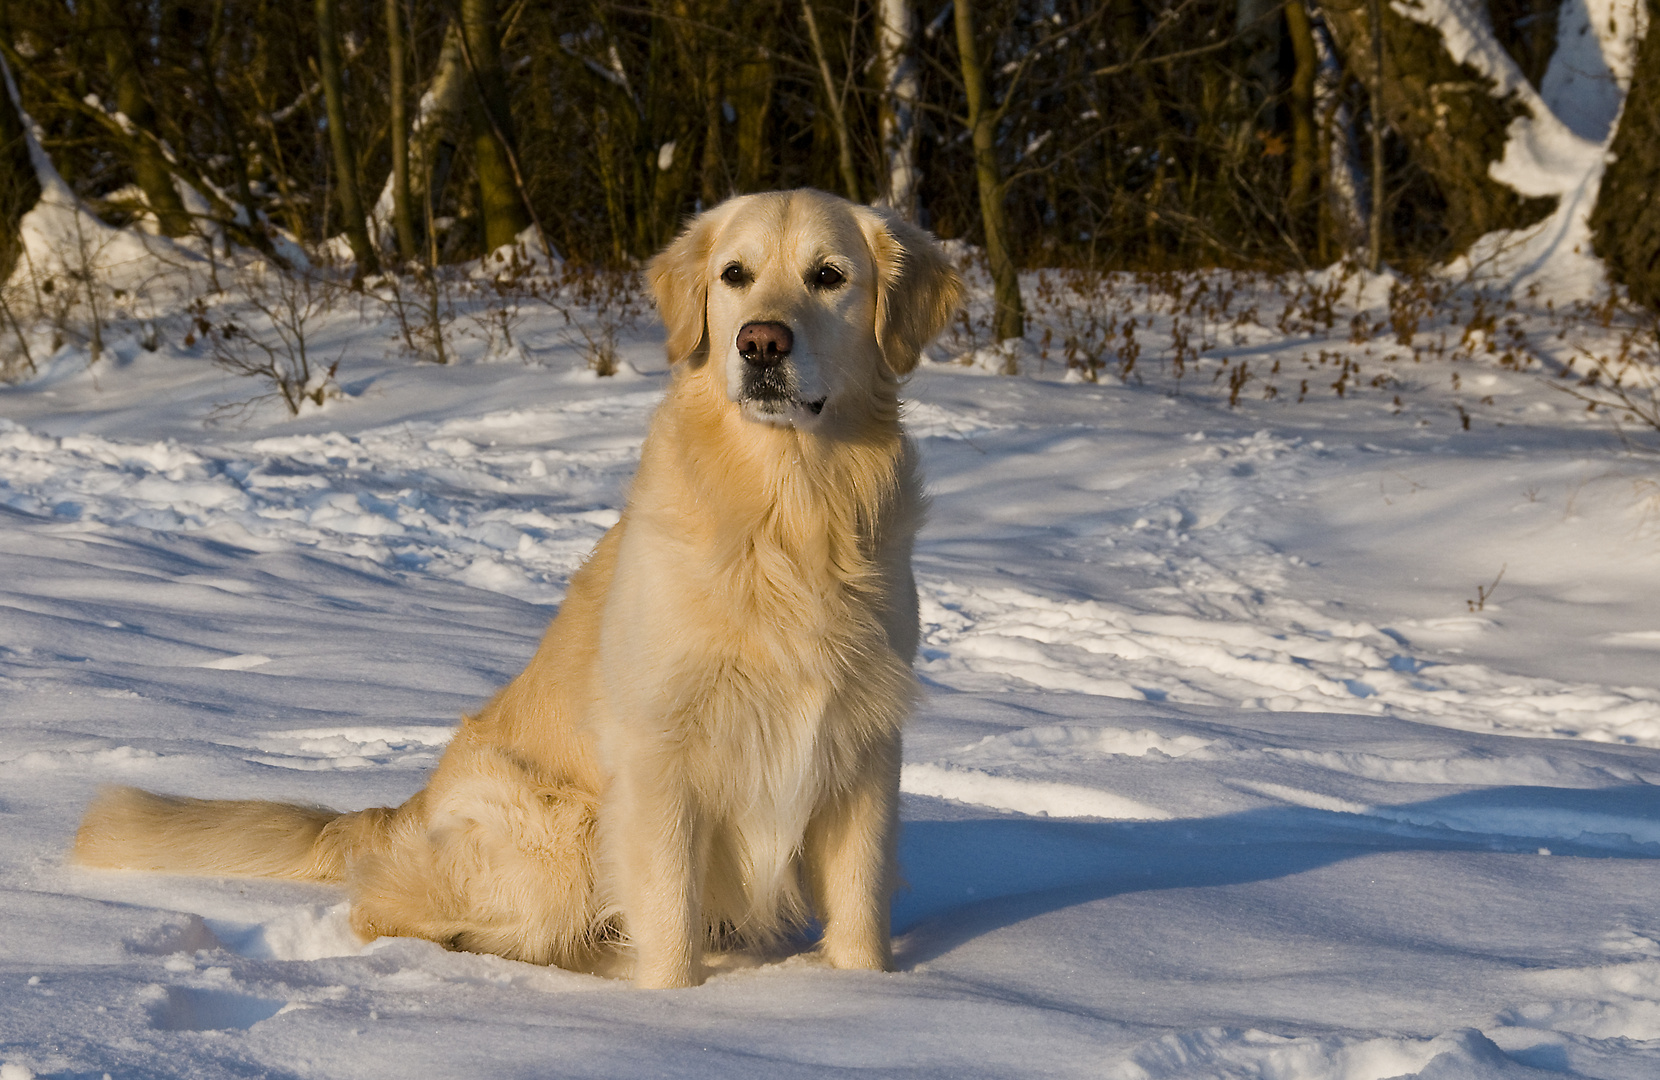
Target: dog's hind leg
(494,862)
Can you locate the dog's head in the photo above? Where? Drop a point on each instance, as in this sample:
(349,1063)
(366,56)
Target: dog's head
(801,300)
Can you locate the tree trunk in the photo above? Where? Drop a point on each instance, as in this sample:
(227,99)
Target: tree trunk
(1527,30)
(1374,236)
(222,118)
(750,92)
(440,118)
(1343,209)
(340,142)
(19,184)
(1305,149)
(896,120)
(499,196)
(1257,24)
(149,166)
(1009,315)
(833,100)
(1625,224)
(1445,115)
(403,214)
(714,181)
(751,95)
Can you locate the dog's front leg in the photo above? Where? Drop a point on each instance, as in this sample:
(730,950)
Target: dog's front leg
(656,842)
(850,862)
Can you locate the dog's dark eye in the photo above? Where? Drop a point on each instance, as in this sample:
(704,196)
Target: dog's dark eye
(734,275)
(828,277)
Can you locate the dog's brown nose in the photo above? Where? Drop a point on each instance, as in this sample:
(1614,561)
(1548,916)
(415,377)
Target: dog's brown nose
(764,344)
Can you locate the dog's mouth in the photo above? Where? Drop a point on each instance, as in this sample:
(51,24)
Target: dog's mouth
(771,394)
(781,408)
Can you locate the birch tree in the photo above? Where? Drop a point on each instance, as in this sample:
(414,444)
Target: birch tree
(897,115)
(1343,206)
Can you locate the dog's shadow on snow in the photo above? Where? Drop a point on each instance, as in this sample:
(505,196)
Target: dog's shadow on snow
(968,877)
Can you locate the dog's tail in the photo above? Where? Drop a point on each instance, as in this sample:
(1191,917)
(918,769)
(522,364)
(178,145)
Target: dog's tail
(137,830)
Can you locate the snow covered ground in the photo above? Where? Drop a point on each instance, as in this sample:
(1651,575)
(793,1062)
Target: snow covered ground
(1235,762)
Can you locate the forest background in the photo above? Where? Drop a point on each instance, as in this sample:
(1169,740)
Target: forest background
(1143,135)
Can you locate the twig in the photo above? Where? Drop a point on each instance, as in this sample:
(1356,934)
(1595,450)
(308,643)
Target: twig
(1485,593)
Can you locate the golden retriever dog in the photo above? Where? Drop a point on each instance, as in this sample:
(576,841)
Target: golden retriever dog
(705,749)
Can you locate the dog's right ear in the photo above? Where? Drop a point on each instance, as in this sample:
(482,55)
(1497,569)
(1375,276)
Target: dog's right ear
(679,277)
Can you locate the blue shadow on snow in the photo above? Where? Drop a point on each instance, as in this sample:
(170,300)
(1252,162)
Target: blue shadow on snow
(969,877)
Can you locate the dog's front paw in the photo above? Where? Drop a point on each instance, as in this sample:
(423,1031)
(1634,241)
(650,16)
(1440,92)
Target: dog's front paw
(668,976)
(864,955)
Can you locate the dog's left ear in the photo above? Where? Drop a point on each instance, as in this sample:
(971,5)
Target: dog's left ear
(917,287)
(679,277)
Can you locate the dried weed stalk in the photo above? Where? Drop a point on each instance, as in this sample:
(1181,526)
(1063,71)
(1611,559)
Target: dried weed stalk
(1623,384)
(423,306)
(599,305)
(1091,332)
(269,333)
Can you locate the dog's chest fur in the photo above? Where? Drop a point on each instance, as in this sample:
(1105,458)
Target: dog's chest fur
(769,715)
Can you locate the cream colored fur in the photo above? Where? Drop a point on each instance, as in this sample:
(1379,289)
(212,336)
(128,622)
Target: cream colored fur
(705,747)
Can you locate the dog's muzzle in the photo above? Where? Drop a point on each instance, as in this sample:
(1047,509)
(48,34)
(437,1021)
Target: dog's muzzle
(768,380)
